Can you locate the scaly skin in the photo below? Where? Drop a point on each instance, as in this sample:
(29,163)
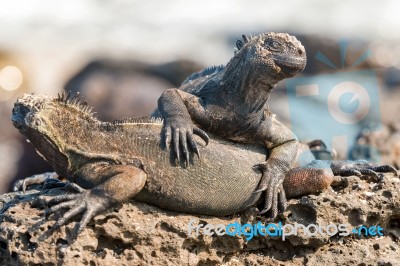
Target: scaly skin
(231,102)
(109,163)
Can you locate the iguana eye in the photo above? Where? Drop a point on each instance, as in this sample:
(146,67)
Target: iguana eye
(273,45)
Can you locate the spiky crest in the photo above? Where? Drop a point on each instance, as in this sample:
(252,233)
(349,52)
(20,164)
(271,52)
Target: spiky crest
(241,43)
(75,101)
(113,126)
(138,120)
(204,72)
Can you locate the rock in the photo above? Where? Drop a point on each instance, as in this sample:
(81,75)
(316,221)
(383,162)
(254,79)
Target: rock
(140,234)
(381,146)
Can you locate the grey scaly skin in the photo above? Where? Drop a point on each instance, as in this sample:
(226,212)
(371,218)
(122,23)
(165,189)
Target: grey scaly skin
(232,102)
(109,163)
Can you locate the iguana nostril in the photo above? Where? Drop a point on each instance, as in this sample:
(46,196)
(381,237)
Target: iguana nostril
(300,51)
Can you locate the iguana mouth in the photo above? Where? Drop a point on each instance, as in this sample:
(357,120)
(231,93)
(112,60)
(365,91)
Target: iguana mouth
(294,63)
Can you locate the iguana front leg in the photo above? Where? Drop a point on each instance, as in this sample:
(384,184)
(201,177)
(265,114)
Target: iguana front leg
(178,126)
(121,182)
(283,147)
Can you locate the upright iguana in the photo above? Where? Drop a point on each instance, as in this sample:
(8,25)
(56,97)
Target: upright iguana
(109,163)
(232,102)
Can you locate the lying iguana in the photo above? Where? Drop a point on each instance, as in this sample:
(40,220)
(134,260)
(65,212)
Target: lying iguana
(232,102)
(109,163)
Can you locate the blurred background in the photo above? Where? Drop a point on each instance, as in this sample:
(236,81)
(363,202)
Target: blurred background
(122,54)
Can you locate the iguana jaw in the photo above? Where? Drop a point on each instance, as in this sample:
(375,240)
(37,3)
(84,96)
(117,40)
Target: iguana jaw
(290,65)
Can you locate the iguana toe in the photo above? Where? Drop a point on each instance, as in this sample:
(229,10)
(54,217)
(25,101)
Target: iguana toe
(61,198)
(282,201)
(274,205)
(193,146)
(184,144)
(76,208)
(167,137)
(202,134)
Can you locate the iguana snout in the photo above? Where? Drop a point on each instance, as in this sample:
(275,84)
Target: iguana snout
(286,51)
(19,113)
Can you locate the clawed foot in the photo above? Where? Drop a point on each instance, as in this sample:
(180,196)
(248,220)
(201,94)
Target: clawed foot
(275,198)
(87,202)
(48,180)
(361,168)
(178,133)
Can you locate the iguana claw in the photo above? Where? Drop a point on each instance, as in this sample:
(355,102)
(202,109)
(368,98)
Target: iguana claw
(202,134)
(182,139)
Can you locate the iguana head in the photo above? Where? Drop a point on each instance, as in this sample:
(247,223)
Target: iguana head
(52,124)
(274,56)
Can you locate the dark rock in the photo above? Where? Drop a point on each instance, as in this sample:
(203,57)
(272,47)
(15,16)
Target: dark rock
(136,233)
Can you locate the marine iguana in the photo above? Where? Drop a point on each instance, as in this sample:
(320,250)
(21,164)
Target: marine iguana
(109,163)
(232,102)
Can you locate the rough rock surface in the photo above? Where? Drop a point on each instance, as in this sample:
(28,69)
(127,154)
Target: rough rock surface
(380,146)
(139,234)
